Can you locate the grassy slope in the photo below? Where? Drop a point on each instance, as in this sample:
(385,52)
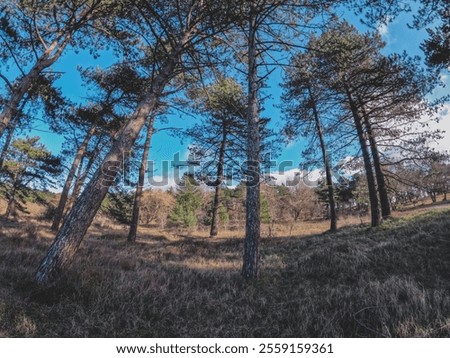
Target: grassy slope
(391,281)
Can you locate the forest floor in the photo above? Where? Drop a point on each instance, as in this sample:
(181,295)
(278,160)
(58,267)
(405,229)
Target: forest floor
(391,281)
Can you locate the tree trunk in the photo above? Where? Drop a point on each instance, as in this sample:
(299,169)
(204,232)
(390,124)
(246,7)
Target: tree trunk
(23,86)
(326,162)
(216,205)
(8,140)
(52,53)
(80,217)
(253,220)
(11,208)
(73,169)
(373,197)
(82,176)
(140,186)
(382,190)
(433,196)
(79,181)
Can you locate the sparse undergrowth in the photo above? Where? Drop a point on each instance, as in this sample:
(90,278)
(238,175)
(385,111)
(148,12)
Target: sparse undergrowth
(387,282)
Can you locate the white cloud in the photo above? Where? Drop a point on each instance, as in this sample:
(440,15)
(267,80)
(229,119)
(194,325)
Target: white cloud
(444,125)
(291,144)
(386,31)
(284,178)
(296,177)
(426,126)
(161,183)
(311,178)
(383,30)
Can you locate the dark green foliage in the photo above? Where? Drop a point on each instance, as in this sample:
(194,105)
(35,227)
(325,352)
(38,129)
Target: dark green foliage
(432,15)
(352,195)
(437,47)
(119,206)
(265,210)
(188,201)
(223,215)
(28,165)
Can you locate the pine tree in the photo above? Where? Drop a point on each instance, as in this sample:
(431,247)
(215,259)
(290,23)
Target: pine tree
(169,36)
(29,163)
(219,139)
(306,102)
(38,33)
(188,201)
(379,94)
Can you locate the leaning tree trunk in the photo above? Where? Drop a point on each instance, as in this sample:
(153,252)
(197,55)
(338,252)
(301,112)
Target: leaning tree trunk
(382,188)
(79,181)
(326,162)
(253,221)
(11,107)
(8,140)
(373,197)
(216,205)
(73,169)
(82,176)
(433,196)
(80,217)
(140,186)
(11,208)
(11,129)
(51,54)
(48,58)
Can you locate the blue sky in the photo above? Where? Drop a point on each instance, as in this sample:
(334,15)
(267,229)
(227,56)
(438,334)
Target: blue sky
(397,35)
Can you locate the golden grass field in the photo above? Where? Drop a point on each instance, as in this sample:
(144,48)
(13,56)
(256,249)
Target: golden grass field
(391,281)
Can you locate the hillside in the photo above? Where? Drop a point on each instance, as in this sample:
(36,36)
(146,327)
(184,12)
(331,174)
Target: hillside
(391,281)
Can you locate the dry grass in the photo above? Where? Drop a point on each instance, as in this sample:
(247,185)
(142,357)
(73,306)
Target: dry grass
(386,282)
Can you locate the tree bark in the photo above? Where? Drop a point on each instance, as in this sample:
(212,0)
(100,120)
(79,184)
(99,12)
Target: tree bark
(51,54)
(79,180)
(373,197)
(216,205)
(7,143)
(140,186)
(11,208)
(80,217)
(382,190)
(433,196)
(253,221)
(73,169)
(81,176)
(48,58)
(326,162)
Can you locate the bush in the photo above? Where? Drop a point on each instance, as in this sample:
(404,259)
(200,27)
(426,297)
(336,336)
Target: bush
(188,201)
